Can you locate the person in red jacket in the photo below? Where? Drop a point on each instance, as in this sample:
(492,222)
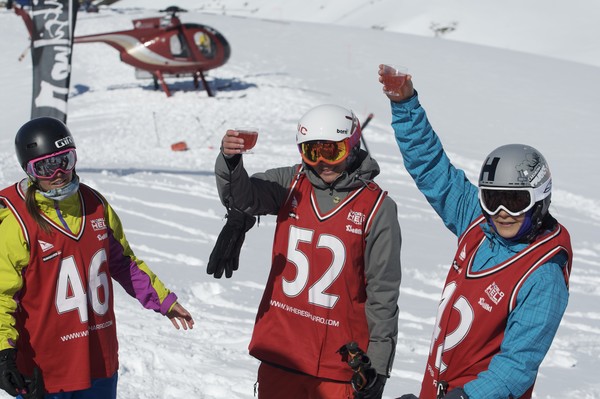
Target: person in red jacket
(62,245)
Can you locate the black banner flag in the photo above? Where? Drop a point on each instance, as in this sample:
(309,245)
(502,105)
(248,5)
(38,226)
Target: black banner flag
(51,49)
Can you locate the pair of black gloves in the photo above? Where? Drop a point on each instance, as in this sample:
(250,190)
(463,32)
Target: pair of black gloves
(225,256)
(14,383)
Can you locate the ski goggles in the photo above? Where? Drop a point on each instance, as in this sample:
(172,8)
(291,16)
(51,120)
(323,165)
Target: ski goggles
(514,201)
(331,152)
(47,166)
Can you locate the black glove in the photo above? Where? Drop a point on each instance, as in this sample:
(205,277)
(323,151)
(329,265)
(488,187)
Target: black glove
(408,396)
(225,256)
(367,384)
(374,390)
(14,383)
(456,393)
(35,386)
(11,379)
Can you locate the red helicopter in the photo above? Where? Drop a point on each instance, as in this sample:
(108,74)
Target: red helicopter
(159,47)
(163,46)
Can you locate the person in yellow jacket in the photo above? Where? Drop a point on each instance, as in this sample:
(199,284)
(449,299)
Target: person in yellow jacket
(61,247)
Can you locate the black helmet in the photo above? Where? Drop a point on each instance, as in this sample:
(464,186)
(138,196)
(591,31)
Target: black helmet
(41,136)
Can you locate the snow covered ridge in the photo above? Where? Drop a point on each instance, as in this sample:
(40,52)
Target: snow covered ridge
(536,26)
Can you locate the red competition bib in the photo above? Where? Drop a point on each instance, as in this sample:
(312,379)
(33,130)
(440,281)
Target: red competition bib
(459,350)
(314,300)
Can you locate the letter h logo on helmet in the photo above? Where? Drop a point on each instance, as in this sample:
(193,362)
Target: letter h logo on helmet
(490,169)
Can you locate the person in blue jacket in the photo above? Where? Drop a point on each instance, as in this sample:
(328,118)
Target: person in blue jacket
(507,286)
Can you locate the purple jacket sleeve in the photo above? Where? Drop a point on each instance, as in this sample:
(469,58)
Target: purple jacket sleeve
(137,279)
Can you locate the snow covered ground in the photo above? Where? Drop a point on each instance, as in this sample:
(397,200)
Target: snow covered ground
(479,94)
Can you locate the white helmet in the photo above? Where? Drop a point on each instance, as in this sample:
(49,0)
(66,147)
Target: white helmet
(329,122)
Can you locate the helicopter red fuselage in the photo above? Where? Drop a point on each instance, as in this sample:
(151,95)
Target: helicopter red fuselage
(164,46)
(172,48)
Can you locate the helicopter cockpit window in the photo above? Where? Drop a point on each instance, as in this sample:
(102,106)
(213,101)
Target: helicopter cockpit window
(177,45)
(205,44)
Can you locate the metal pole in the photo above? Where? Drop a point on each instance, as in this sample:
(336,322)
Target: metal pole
(362,127)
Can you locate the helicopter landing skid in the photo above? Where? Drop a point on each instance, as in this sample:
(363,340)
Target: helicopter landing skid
(159,77)
(206,86)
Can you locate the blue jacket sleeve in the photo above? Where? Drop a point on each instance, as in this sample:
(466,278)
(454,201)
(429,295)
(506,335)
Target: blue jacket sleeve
(446,188)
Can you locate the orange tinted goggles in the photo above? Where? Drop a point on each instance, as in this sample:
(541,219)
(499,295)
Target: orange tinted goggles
(331,152)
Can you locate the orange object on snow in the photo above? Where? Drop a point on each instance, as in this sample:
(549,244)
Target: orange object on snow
(179,146)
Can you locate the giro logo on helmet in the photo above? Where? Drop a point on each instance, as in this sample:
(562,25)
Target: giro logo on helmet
(63,142)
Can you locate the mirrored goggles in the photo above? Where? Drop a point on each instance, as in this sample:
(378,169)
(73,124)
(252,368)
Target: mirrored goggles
(48,166)
(331,152)
(515,202)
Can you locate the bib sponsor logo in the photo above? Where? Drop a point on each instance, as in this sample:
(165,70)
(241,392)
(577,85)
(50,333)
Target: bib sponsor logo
(494,293)
(456,267)
(293,213)
(485,305)
(356,217)
(463,253)
(51,256)
(45,245)
(353,230)
(98,224)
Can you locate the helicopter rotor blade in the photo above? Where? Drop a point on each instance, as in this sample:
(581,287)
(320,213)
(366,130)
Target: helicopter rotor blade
(173,9)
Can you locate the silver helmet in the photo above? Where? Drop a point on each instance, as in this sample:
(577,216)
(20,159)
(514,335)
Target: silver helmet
(517,167)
